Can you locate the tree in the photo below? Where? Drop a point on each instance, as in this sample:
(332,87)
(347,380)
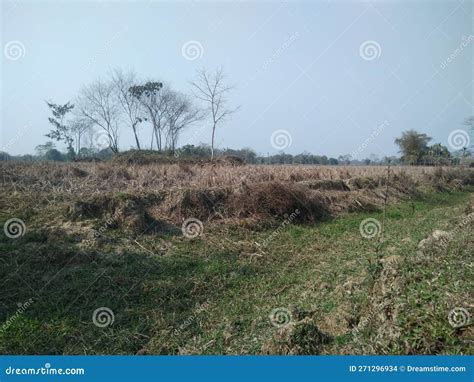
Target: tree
(4,156)
(413,146)
(437,154)
(98,103)
(179,113)
(201,151)
(86,152)
(41,150)
(344,159)
(211,89)
(79,127)
(53,155)
(61,131)
(153,101)
(123,83)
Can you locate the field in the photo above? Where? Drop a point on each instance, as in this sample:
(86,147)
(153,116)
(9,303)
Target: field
(189,258)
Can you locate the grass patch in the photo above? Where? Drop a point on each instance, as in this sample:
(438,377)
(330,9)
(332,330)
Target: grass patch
(214,294)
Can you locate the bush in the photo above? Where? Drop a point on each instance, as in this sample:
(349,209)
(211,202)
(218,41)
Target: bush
(53,155)
(4,156)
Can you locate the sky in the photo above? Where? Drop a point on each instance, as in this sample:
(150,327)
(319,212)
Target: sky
(325,77)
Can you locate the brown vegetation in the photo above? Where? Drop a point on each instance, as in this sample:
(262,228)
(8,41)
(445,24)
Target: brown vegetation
(140,195)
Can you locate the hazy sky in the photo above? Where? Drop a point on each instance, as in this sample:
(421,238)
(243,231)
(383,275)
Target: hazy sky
(329,73)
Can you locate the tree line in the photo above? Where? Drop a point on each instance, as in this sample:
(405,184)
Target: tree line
(124,101)
(91,124)
(416,150)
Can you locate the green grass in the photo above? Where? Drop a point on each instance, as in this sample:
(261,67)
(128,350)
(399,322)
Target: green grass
(214,294)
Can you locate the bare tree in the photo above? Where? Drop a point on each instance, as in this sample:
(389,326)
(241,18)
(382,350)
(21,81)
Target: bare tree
(211,88)
(123,82)
(89,140)
(98,103)
(153,99)
(79,127)
(180,113)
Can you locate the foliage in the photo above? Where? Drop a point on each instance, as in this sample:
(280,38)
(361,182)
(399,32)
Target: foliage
(41,150)
(53,155)
(61,131)
(413,146)
(4,156)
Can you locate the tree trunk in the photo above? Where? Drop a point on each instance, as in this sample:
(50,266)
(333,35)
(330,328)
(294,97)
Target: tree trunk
(212,141)
(134,127)
(158,138)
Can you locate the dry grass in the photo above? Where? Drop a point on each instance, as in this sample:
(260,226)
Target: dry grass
(93,178)
(140,196)
(111,234)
